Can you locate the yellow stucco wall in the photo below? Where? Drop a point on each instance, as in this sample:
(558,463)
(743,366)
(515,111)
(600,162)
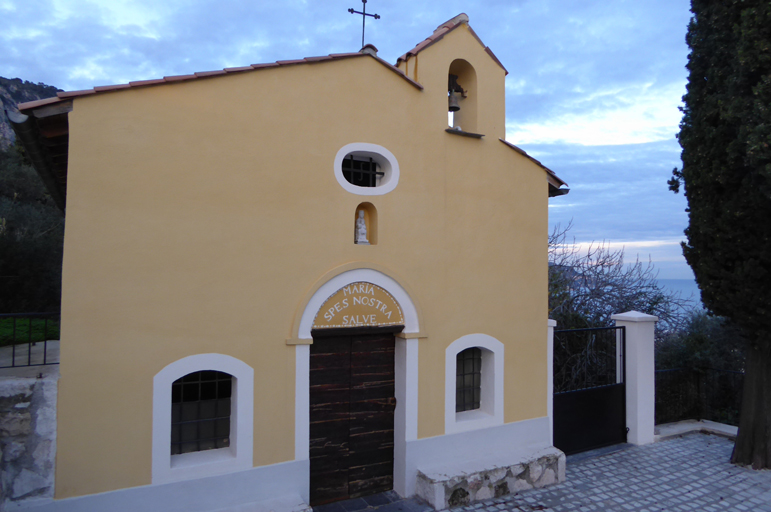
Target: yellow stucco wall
(201,214)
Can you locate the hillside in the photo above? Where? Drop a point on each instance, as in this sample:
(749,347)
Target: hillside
(14,91)
(31,226)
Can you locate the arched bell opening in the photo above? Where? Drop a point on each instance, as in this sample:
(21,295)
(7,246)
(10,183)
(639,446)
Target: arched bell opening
(462,96)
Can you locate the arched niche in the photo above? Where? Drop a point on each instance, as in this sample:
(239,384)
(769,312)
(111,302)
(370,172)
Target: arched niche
(370,221)
(464,119)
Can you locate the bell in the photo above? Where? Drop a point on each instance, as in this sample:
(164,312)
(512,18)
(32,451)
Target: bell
(454,106)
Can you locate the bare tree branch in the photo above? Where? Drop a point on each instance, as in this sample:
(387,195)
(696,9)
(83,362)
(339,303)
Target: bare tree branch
(587,286)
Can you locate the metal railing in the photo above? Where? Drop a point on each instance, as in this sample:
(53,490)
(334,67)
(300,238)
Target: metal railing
(29,339)
(698,394)
(588,358)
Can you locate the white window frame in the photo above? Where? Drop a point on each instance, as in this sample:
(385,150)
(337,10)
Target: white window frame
(238,456)
(384,158)
(490,412)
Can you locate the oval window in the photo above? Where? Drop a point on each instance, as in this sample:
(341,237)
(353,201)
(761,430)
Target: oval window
(366,169)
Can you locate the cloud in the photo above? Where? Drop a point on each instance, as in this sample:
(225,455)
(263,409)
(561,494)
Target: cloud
(592,90)
(76,45)
(619,194)
(633,114)
(603,73)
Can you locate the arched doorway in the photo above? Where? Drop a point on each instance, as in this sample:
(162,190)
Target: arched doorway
(352,393)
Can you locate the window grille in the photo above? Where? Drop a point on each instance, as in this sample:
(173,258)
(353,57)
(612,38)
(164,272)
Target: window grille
(200,412)
(468,379)
(361,173)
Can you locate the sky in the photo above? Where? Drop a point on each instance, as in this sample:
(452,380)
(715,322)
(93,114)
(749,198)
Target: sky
(593,88)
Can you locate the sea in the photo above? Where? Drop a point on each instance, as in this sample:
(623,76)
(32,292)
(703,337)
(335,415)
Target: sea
(687,288)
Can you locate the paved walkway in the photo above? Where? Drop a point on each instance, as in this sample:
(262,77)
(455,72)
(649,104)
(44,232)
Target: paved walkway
(687,473)
(383,502)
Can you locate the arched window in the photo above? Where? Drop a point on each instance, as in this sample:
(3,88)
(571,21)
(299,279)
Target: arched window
(468,379)
(203,408)
(473,383)
(200,412)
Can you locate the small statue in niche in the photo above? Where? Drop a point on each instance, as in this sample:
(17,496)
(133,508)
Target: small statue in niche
(360,234)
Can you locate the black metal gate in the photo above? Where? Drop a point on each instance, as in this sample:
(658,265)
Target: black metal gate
(589,389)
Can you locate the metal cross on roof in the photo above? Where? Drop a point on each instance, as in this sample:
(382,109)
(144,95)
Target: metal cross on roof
(364,15)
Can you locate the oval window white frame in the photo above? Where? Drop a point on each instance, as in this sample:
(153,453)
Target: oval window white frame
(384,158)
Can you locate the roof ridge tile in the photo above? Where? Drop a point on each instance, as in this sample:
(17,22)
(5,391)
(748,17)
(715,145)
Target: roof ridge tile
(203,74)
(70,94)
(141,83)
(104,88)
(237,69)
(441,31)
(178,78)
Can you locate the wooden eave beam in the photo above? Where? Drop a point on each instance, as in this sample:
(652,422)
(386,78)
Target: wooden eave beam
(28,133)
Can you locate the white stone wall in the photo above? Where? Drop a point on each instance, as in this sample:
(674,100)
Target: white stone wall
(445,488)
(27,438)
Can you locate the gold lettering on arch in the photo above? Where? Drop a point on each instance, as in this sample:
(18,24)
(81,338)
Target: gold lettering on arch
(358,305)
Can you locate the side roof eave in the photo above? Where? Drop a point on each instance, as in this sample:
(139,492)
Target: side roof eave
(554,180)
(45,151)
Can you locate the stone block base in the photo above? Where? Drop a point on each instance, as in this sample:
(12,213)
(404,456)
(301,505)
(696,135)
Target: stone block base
(481,480)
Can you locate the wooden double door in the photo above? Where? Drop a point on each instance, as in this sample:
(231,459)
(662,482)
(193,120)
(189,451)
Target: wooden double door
(351,412)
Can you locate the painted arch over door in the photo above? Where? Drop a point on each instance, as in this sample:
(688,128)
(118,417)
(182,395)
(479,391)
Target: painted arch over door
(406,356)
(345,276)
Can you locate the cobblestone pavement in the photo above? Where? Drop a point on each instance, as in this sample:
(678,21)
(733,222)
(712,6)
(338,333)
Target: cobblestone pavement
(687,473)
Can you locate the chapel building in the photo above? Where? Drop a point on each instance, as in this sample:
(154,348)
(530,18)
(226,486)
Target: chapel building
(295,283)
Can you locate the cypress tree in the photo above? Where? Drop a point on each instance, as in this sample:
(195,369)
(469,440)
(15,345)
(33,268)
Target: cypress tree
(725,134)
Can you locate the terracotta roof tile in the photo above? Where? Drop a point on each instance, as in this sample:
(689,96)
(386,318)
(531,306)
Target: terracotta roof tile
(294,61)
(236,70)
(439,33)
(105,88)
(70,94)
(204,74)
(141,83)
(41,103)
(265,65)
(179,78)
(443,30)
(317,59)
(491,54)
(400,73)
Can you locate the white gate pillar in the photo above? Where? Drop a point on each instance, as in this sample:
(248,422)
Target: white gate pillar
(640,375)
(550,377)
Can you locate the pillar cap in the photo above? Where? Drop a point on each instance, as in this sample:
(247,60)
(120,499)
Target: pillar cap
(551,323)
(634,316)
